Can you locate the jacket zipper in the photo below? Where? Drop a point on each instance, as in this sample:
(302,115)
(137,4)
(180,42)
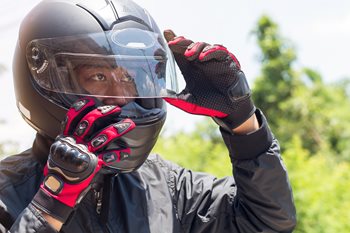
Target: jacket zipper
(98,198)
(98,209)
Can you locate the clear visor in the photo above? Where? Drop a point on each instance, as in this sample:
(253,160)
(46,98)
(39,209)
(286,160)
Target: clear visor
(129,63)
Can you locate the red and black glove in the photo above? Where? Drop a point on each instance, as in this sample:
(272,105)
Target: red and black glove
(78,154)
(215,84)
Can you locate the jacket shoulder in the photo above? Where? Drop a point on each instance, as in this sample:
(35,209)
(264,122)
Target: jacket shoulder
(161,163)
(16,170)
(20,177)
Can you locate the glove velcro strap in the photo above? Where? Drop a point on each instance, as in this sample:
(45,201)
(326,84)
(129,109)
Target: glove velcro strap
(232,121)
(51,206)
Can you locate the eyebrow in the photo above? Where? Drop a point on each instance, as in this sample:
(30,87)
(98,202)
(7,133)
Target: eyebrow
(91,66)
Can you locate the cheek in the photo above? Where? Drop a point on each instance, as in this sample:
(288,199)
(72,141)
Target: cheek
(95,89)
(130,90)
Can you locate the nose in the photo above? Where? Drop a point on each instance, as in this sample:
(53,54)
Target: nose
(119,101)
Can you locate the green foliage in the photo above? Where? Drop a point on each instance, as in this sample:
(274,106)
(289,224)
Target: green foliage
(321,190)
(311,119)
(299,101)
(277,80)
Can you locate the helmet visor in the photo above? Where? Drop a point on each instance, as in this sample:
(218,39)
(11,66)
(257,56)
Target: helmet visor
(128,63)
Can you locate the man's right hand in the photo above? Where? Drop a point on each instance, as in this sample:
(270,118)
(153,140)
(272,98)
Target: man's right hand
(215,84)
(78,154)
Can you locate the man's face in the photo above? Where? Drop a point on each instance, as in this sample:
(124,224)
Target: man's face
(106,81)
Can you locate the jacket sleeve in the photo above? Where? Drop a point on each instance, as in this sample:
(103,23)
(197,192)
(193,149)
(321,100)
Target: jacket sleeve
(258,198)
(30,220)
(20,177)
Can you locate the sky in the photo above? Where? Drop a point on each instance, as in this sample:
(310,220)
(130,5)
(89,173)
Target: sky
(318,29)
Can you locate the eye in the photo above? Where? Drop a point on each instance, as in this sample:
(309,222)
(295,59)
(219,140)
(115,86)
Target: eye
(98,77)
(127,77)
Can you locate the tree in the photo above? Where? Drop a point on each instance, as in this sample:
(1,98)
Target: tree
(298,100)
(311,119)
(321,189)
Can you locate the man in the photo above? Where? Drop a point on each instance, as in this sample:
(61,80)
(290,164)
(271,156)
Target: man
(103,69)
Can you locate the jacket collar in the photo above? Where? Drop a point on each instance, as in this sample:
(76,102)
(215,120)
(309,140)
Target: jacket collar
(41,147)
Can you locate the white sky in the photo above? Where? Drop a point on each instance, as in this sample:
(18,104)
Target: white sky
(319,29)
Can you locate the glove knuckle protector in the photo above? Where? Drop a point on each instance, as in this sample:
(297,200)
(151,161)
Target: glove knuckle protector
(78,162)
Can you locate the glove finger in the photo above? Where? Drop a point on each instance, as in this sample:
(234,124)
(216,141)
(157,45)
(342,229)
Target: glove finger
(169,35)
(217,52)
(80,108)
(177,45)
(109,134)
(111,158)
(192,52)
(96,120)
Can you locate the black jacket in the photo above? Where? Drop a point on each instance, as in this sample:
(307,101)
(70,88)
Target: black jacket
(163,197)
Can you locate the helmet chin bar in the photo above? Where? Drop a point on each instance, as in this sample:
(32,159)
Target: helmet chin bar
(140,140)
(141,115)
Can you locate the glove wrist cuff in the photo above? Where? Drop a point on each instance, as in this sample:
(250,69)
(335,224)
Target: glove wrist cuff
(234,120)
(51,206)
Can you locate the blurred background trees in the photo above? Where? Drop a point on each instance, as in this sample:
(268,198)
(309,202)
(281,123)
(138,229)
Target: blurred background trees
(2,69)
(6,147)
(298,102)
(310,118)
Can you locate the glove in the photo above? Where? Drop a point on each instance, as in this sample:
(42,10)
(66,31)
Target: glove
(78,155)
(215,84)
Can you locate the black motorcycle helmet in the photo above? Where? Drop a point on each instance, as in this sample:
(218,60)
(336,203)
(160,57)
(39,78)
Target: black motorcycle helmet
(57,36)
